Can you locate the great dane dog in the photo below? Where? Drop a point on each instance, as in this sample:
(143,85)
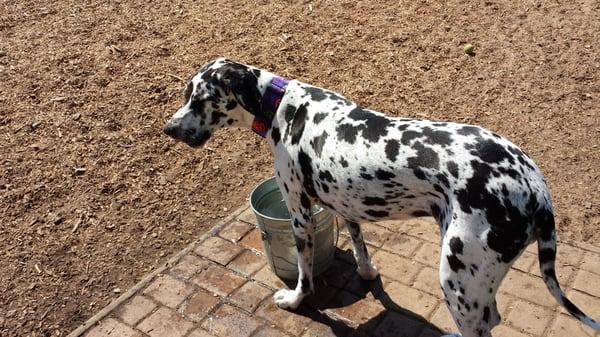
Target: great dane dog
(488,197)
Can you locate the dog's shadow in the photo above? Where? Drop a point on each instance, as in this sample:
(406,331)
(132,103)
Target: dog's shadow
(341,287)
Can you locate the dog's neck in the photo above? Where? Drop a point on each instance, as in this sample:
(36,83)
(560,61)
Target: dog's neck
(272,91)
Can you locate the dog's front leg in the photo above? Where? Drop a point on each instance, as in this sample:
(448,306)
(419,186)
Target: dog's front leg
(303,229)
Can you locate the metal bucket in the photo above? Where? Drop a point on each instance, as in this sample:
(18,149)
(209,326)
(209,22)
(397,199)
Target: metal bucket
(277,236)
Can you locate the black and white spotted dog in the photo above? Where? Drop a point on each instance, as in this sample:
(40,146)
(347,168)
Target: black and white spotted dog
(488,197)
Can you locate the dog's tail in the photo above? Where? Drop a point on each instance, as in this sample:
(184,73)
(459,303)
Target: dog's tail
(546,231)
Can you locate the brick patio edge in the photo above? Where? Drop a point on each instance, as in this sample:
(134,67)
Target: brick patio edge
(146,280)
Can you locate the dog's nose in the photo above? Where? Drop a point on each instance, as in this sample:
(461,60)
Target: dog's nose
(170,130)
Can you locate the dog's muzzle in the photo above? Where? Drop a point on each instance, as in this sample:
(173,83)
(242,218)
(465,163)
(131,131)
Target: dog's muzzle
(190,137)
(171,130)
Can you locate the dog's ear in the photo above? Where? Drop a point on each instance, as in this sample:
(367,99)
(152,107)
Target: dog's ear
(242,82)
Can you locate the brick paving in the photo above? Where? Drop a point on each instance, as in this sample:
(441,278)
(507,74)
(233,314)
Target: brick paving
(221,286)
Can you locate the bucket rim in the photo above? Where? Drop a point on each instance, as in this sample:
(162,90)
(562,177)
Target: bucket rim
(267,180)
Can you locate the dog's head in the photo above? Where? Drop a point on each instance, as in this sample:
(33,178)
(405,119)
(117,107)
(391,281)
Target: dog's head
(222,93)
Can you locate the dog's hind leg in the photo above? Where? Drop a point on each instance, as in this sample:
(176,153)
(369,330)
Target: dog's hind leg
(470,273)
(365,267)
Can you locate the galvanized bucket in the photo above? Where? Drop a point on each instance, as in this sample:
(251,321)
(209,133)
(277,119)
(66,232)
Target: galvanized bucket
(277,236)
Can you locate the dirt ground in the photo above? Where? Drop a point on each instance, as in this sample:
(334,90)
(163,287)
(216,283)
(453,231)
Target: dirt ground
(93,195)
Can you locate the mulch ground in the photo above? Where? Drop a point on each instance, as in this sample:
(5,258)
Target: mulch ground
(93,196)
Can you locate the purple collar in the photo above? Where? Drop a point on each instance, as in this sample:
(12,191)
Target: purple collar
(270,103)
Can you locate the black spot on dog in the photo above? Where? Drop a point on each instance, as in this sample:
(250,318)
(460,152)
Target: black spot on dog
(300,244)
(231,105)
(426,158)
(289,112)
(326,176)
(305,285)
(419,174)
(216,117)
(547,255)
(366,176)
(455,263)
(491,152)
(343,162)
(420,213)
(456,245)
(304,200)
(486,314)
(374,201)
(403,127)
(377,214)
(197,106)
(441,177)
(298,123)
(544,222)
(307,173)
(318,142)
(375,125)
(408,136)
(571,308)
(475,194)
(319,117)
(384,175)
(275,135)
(347,133)
(392,148)
(469,130)
(451,285)
(521,156)
(452,168)
(550,273)
(438,137)
(510,172)
(316,94)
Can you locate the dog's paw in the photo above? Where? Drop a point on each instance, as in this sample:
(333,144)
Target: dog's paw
(287,299)
(368,272)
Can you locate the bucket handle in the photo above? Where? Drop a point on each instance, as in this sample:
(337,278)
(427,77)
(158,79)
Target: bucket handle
(337,227)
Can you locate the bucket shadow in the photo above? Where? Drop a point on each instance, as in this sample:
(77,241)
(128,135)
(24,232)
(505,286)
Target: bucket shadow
(341,287)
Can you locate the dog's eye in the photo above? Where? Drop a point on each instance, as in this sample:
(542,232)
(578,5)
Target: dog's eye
(187,93)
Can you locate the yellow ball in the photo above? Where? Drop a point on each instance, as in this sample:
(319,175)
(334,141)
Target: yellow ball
(469,49)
